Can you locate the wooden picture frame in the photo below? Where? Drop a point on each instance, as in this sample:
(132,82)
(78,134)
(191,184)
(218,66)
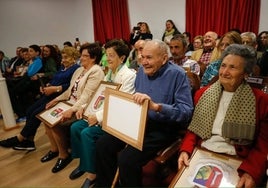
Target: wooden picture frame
(123,118)
(208,169)
(97,100)
(52,116)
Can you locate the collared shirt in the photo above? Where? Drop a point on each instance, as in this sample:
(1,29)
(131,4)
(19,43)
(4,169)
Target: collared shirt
(205,58)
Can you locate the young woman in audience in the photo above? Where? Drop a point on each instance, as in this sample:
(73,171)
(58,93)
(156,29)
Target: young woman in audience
(84,133)
(170,31)
(83,84)
(143,32)
(50,64)
(59,83)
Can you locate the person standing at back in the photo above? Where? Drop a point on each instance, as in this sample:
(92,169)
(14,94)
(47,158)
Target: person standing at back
(170,31)
(167,88)
(143,32)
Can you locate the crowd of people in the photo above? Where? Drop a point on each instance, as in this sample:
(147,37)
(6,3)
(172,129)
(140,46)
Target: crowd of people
(226,115)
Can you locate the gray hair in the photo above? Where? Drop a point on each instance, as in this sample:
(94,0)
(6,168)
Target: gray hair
(180,37)
(163,47)
(250,35)
(246,52)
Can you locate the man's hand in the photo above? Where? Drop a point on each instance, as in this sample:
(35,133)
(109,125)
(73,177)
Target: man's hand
(139,98)
(246,181)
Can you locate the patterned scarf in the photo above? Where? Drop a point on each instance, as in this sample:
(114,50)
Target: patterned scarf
(240,119)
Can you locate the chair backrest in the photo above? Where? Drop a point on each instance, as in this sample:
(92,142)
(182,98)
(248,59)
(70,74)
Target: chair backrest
(194,81)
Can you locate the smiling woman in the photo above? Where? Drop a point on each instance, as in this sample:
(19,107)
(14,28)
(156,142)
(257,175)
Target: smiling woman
(235,122)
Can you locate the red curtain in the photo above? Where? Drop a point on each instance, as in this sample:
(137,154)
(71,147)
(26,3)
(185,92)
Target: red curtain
(111,20)
(222,15)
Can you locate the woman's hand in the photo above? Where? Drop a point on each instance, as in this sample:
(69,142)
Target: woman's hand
(92,120)
(51,103)
(246,181)
(66,115)
(79,113)
(183,160)
(49,90)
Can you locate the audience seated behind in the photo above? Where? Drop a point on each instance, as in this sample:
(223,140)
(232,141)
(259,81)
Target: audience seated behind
(59,83)
(18,92)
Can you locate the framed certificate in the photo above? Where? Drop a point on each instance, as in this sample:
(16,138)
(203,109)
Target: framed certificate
(208,169)
(97,100)
(52,116)
(123,118)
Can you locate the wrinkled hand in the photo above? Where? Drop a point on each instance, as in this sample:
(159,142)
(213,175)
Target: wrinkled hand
(66,115)
(246,181)
(139,98)
(51,103)
(79,113)
(183,160)
(48,90)
(92,120)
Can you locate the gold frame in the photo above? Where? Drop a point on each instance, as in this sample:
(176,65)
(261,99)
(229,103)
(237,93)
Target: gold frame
(218,170)
(98,95)
(120,113)
(53,119)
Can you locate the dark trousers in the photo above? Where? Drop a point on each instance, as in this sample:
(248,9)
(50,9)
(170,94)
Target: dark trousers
(112,153)
(22,94)
(32,122)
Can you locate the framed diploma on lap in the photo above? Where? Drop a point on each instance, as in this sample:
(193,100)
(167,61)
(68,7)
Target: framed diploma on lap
(97,100)
(208,169)
(123,118)
(52,116)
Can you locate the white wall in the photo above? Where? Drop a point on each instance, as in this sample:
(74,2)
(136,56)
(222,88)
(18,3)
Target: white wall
(26,22)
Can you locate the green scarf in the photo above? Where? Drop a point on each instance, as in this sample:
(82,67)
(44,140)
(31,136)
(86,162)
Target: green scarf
(240,119)
(167,33)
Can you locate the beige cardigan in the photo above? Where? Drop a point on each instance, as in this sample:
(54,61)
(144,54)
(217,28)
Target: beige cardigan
(86,87)
(196,55)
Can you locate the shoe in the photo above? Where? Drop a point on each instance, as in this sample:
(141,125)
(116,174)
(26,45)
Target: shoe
(61,164)
(76,173)
(10,142)
(25,145)
(87,183)
(21,120)
(49,156)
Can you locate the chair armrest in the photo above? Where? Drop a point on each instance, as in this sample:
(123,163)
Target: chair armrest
(168,152)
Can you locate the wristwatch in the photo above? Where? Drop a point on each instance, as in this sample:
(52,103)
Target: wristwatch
(58,89)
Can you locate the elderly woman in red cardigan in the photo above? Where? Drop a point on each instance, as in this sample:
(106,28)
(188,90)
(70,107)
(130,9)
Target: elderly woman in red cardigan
(230,117)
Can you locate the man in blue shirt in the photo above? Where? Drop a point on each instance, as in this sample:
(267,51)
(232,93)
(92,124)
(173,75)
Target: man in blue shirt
(167,88)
